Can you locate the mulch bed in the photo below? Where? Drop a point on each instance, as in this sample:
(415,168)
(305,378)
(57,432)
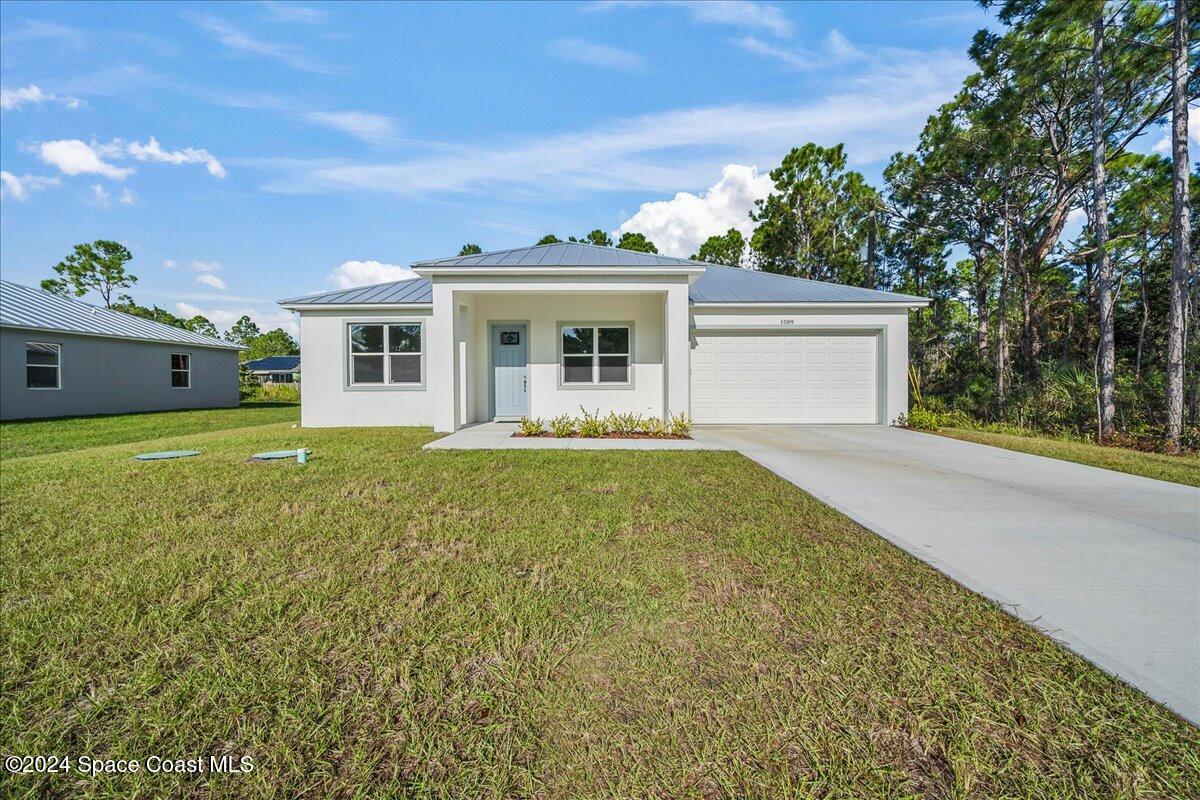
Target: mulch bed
(549,435)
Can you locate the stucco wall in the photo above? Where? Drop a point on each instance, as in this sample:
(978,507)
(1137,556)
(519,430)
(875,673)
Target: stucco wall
(326,397)
(544,313)
(891,323)
(112,376)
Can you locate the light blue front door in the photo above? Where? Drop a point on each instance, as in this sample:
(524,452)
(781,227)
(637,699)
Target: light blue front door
(510,384)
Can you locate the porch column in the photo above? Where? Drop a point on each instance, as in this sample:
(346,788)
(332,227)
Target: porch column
(441,373)
(677,380)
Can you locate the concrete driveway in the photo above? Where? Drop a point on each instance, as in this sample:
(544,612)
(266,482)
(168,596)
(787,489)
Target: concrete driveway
(1107,563)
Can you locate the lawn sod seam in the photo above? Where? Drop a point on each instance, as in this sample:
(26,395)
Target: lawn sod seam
(389,621)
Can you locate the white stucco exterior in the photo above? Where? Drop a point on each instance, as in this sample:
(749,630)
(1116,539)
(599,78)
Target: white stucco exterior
(456,386)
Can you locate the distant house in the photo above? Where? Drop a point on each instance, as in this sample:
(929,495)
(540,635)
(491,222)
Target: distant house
(61,357)
(275,369)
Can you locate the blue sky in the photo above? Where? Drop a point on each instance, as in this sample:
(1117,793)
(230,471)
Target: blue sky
(248,152)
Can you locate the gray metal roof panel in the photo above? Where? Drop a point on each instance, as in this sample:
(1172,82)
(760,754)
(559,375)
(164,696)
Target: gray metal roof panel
(721,284)
(413,291)
(25,307)
(561,254)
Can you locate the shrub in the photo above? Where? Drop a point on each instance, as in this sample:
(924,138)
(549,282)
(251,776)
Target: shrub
(592,425)
(654,426)
(625,424)
(271,392)
(922,419)
(562,426)
(530,427)
(680,424)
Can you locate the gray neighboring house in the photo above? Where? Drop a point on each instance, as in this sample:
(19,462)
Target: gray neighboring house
(61,357)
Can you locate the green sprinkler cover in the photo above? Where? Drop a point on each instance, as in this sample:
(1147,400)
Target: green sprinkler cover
(167,454)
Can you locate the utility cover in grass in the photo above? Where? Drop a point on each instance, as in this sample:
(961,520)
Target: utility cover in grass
(274,454)
(167,454)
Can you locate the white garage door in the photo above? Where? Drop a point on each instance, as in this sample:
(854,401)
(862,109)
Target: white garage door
(785,377)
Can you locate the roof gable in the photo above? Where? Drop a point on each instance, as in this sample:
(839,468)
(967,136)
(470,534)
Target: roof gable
(35,309)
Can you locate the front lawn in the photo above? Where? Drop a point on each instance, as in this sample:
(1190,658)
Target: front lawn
(1177,469)
(31,437)
(395,622)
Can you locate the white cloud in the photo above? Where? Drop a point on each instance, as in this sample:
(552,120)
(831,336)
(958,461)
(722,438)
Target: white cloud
(224,318)
(791,58)
(206,266)
(680,225)
(74,157)
(1163,146)
(879,107)
(290,12)
(127,197)
(100,196)
(740,13)
(580,51)
(208,279)
(170,263)
(370,128)
(19,187)
(364,273)
(152,151)
(239,40)
(32,95)
(836,51)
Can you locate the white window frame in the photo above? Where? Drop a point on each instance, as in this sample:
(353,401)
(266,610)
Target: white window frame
(595,382)
(387,384)
(57,367)
(187,371)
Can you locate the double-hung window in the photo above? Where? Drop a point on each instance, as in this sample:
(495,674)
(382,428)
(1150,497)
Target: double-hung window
(43,363)
(595,354)
(181,371)
(385,353)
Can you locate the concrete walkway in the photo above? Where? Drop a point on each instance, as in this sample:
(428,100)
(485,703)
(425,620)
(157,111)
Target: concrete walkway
(1107,563)
(499,436)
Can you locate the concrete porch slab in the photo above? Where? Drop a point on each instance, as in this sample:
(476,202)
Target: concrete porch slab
(499,436)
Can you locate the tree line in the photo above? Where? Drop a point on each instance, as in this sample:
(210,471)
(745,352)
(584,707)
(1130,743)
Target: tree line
(100,266)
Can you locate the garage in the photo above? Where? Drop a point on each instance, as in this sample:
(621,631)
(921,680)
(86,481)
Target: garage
(792,376)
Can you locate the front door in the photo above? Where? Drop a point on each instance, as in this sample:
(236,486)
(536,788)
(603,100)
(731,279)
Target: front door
(510,384)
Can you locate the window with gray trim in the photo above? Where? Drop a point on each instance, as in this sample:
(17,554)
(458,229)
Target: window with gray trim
(181,371)
(595,354)
(43,365)
(385,353)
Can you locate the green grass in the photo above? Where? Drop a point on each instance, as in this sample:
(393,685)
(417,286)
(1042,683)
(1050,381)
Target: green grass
(388,621)
(34,437)
(1177,469)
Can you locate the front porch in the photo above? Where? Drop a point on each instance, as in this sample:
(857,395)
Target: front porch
(502,351)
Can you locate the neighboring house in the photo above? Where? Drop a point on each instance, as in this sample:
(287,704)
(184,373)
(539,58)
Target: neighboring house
(541,331)
(61,357)
(275,369)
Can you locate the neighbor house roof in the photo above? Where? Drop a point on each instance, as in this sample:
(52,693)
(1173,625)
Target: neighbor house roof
(34,309)
(274,364)
(561,254)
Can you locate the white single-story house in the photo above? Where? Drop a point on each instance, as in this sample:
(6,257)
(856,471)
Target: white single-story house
(545,330)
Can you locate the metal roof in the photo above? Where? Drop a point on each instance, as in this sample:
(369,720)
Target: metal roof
(721,284)
(561,254)
(274,364)
(23,307)
(414,291)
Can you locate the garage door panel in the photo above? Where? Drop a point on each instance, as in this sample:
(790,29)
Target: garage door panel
(794,377)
